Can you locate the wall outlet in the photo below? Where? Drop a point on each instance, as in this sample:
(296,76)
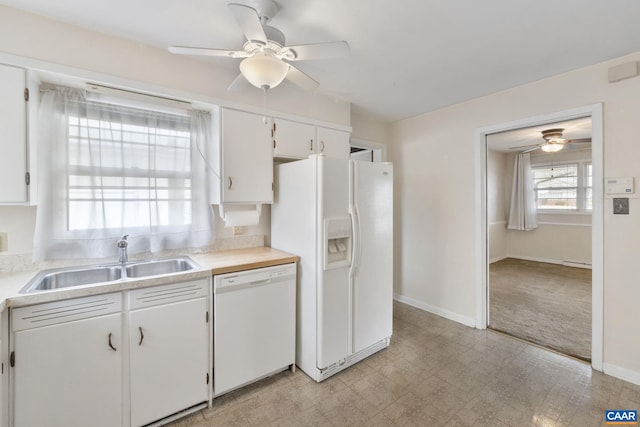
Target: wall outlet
(621,206)
(4,242)
(237,230)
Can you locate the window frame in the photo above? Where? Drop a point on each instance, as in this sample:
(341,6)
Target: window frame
(64,217)
(581,188)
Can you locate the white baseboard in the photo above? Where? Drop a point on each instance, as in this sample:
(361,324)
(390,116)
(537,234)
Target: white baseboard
(551,261)
(467,321)
(621,373)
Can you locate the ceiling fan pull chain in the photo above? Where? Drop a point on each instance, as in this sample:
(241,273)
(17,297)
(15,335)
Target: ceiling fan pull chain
(264,105)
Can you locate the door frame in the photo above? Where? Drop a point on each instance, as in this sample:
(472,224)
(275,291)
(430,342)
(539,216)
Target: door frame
(595,112)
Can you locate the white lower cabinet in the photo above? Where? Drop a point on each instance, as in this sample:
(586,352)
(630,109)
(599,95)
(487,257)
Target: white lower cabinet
(122,359)
(67,363)
(4,383)
(169,346)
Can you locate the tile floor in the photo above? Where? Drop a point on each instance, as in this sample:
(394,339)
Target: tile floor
(435,373)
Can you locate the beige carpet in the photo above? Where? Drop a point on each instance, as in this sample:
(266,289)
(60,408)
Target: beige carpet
(547,304)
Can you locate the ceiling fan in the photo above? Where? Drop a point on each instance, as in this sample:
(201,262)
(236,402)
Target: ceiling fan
(266,56)
(553,142)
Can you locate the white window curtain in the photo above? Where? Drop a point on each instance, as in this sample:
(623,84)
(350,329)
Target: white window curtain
(522,211)
(107,170)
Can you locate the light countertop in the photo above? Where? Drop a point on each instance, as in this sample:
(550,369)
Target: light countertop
(210,263)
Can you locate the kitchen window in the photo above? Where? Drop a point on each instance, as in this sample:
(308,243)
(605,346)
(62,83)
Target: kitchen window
(564,187)
(109,169)
(142,178)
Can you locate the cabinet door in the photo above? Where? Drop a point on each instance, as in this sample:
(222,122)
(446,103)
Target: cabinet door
(333,143)
(169,359)
(13,135)
(293,140)
(67,374)
(247,158)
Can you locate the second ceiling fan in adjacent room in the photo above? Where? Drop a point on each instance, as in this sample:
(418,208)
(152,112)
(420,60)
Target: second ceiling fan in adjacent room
(553,142)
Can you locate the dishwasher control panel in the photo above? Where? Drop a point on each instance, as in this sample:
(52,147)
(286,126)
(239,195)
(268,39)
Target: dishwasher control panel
(257,277)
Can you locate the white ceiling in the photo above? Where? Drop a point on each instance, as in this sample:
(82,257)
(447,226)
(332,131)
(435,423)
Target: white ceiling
(407,57)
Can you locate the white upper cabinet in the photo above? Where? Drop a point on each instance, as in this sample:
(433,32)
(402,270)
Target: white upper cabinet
(13,136)
(245,166)
(296,140)
(333,143)
(293,140)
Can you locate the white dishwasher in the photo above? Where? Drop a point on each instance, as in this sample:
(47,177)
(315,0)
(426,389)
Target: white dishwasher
(254,325)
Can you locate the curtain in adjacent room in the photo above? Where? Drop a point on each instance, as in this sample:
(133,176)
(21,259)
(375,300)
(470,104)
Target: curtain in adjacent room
(106,170)
(522,211)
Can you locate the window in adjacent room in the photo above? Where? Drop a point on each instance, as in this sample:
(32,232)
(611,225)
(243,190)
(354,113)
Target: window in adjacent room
(563,187)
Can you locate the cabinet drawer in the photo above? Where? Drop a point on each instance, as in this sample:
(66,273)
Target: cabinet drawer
(50,313)
(165,294)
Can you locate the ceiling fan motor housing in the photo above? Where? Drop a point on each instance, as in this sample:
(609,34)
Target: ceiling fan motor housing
(553,135)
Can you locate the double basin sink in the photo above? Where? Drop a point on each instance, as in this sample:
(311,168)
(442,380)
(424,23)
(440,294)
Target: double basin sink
(77,276)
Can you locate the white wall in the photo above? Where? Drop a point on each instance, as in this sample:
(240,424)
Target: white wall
(496,207)
(366,128)
(436,199)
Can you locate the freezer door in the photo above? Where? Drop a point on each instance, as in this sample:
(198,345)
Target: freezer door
(372,270)
(333,278)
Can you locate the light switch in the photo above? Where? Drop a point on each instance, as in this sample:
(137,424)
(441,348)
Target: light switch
(621,206)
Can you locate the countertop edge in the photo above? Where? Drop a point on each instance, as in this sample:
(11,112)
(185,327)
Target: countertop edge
(212,263)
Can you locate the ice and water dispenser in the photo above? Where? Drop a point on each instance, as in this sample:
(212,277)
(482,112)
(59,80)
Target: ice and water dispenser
(337,242)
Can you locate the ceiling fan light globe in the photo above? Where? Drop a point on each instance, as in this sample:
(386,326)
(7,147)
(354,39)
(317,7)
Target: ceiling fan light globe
(551,147)
(264,71)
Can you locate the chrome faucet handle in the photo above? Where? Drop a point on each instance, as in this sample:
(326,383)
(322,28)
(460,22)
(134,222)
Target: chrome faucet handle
(122,243)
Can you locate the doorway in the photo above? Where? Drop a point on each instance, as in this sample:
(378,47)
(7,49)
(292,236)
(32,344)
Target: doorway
(594,115)
(539,283)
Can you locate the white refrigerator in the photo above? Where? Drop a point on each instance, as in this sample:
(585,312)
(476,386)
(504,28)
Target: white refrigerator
(337,215)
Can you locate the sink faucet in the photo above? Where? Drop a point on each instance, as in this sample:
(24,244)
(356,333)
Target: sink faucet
(122,249)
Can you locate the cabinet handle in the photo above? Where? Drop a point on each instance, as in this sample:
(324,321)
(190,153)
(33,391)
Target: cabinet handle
(322,146)
(230,183)
(141,335)
(311,145)
(111,344)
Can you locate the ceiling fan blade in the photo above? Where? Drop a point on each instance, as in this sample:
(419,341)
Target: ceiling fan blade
(318,51)
(249,21)
(238,84)
(525,146)
(530,149)
(579,141)
(299,78)
(185,50)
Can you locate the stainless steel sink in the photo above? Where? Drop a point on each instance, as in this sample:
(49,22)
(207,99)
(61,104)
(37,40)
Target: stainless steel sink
(77,276)
(159,267)
(65,278)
